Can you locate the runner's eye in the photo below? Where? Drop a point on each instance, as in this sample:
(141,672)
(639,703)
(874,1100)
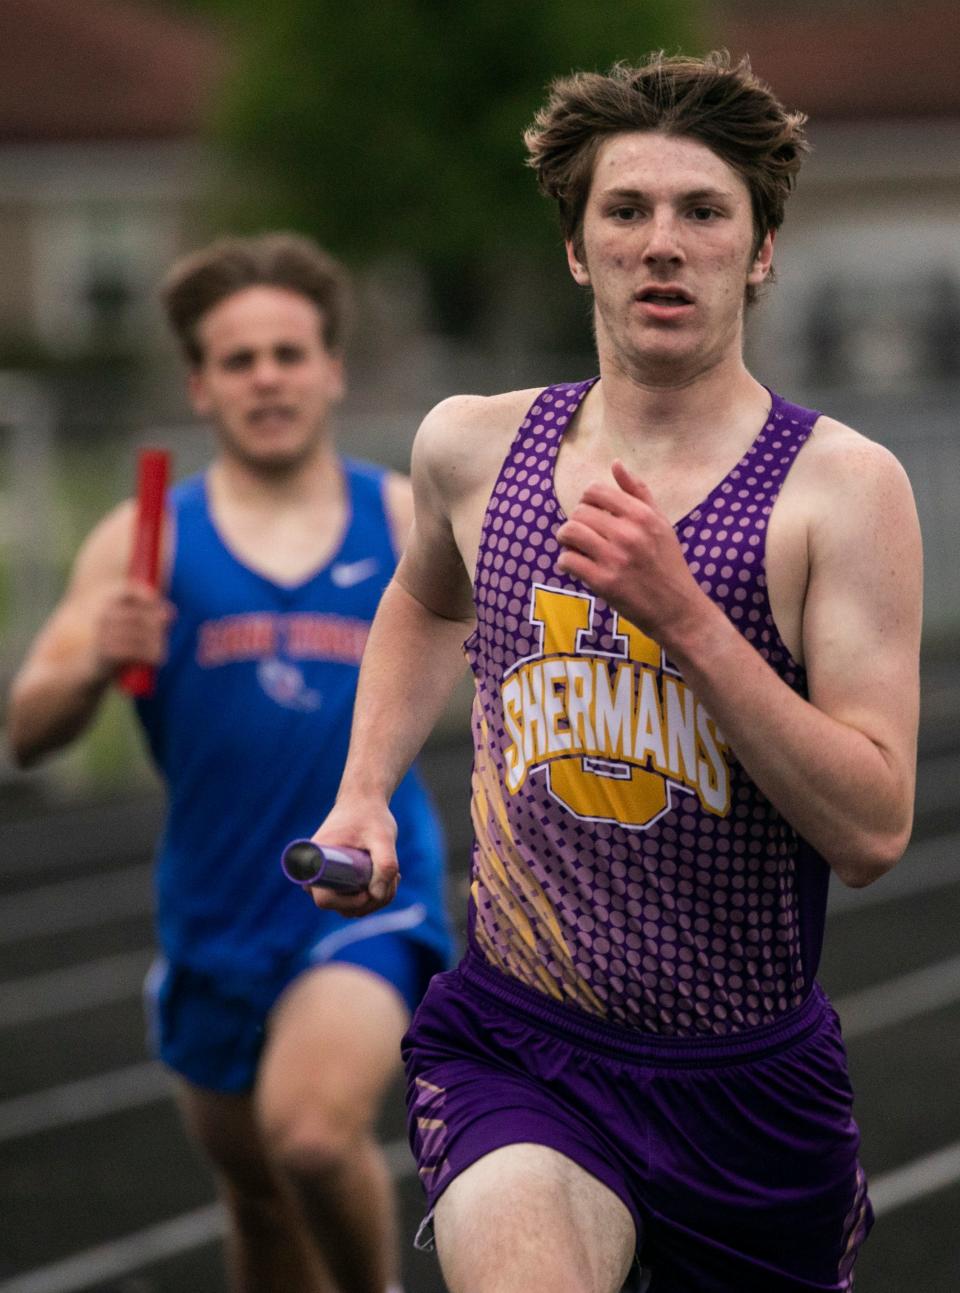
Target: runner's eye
(237,361)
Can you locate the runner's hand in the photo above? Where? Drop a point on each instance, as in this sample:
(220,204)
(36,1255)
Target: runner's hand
(622,546)
(366,825)
(132,627)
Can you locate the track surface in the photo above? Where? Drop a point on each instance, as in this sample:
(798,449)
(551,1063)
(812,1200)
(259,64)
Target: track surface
(100,1191)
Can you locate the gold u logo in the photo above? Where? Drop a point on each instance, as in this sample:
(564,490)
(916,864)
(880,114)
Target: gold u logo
(599,788)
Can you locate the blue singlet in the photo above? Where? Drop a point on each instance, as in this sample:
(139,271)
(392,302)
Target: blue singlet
(249,726)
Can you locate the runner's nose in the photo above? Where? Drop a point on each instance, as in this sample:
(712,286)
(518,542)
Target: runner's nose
(663,239)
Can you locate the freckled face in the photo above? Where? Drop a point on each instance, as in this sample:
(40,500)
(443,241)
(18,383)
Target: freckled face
(266,379)
(668,251)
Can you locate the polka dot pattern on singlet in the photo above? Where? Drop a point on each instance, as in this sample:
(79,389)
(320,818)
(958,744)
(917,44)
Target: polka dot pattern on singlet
(688,924)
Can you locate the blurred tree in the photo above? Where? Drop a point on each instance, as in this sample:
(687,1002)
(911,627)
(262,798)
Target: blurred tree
(396,127)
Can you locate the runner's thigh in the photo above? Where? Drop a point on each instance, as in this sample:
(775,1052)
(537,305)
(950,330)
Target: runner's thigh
(526,1218)
(333,1045)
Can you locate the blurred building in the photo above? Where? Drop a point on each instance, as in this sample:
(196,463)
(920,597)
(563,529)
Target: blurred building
(869,259)
(103,175)
(102,171)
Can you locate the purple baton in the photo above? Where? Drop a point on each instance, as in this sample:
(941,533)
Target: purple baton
(332,866)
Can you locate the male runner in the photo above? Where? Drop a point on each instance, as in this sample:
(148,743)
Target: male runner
(282,1023)
(693,613)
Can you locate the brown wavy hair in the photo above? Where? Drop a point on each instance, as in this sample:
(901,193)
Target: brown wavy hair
(201,280)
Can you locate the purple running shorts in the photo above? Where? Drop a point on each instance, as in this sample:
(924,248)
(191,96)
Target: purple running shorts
(736,1156)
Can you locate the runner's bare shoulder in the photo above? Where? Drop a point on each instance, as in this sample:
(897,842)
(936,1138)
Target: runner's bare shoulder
(463,440)
(105,553)
(841,472)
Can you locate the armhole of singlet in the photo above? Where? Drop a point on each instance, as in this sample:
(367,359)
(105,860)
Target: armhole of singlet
(523,429)
(186,496)
(809,419)
(366,486)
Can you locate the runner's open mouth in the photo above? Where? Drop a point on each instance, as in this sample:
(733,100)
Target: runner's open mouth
(655,297)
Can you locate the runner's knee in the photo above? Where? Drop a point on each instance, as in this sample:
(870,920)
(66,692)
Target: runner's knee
(312,1139)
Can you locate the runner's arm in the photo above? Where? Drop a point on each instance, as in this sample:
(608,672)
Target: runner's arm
(412,662)
(104,621)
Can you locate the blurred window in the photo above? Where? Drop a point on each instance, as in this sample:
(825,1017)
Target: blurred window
(95,268)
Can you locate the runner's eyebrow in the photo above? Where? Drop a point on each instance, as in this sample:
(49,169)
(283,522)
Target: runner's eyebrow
(691,195)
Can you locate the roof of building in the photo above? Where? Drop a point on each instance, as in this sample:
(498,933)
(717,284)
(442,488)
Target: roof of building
(101,70)
(850,59)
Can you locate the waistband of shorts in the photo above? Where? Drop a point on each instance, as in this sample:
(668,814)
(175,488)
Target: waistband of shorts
(575,1025)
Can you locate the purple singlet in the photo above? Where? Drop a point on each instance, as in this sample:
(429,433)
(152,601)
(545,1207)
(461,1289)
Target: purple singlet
(625,863)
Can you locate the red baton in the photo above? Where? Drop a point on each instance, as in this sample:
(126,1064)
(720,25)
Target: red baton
(153,469)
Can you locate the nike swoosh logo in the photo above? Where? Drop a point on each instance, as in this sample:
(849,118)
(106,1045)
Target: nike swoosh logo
(347,573)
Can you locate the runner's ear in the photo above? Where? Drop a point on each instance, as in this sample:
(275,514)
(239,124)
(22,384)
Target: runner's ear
(578,268)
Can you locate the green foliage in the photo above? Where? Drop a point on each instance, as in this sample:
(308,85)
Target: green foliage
(397,126)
